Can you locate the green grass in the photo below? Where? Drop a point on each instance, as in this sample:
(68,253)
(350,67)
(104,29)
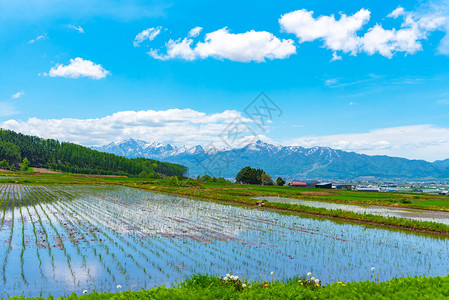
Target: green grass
(209,287)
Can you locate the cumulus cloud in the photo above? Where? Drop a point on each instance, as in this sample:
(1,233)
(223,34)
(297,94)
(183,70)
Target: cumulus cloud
(337,34)
(397,12)
(147,34)
(38,38)
(413,142)
(406,39)
(176,49)
(77,28)
(342,34)
(179,126)
(221,44)
(17,95)
(244,47)
(194,32)
(78,67)
(439,8)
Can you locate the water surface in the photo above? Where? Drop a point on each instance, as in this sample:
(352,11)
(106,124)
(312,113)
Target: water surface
(63,239)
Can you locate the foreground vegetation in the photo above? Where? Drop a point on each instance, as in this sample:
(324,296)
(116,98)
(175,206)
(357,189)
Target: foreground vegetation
(209,287)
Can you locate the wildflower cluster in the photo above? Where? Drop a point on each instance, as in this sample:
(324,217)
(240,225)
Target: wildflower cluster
(235,281)
(310,280)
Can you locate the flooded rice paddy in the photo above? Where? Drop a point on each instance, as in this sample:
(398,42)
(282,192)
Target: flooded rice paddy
(408,213)
(63,239)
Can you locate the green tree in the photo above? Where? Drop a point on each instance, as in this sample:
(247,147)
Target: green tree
(206,178)
(10,152)
(25,164)
(266,179)
(4,164)
(248,175)
(280,181)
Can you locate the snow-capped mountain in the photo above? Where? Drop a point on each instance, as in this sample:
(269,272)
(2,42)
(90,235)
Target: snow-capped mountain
(278,160)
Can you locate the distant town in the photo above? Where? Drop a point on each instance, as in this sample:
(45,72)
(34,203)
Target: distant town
(433,187)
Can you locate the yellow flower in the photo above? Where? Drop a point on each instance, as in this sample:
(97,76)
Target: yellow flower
(343,284)
(265,285)
(318,284)
(340,282)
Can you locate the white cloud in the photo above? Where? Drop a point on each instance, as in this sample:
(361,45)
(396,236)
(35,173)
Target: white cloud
(77,28)
(331,81)
(221,44)
(413,142)
(176,49)
(407,39)
(194,32)
(244,47)
(78,67)
(335,57)
(147,34)
(40,37)
(397,12)
(439,8)
(17,95)
(179,126)
(7,109)
(337,35)
(342,34)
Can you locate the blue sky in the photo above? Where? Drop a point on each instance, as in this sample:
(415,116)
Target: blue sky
(79,72)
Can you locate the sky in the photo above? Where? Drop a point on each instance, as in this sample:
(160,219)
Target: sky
(370,78)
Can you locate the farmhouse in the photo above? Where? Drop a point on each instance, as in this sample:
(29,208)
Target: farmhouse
(323,185)
(300,184)
(347,187)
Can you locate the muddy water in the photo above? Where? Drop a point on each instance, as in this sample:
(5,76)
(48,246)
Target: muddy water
(415,214)
(63,239)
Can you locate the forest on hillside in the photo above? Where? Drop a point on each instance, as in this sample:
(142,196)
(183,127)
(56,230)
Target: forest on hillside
(73,158)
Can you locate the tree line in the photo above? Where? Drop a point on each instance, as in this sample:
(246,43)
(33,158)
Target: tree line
(73,158)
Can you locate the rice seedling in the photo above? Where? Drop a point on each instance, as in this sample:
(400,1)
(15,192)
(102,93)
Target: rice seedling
(101,237)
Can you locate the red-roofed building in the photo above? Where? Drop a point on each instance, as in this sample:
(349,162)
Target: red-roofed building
(297,184)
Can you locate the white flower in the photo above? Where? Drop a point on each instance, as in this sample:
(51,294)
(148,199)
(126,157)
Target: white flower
(317,281)
(119,286)
(373,268)
(272,273)
(309,274)
(227,275)
(85,292)
(243,285)
(232,277)
(236,277)
(312,279)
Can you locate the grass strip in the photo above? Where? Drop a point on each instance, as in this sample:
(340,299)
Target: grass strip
(211,287)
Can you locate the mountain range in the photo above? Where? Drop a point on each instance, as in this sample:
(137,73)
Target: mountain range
(291,162)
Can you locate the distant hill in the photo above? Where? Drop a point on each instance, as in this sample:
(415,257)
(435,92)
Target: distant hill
(69,157)
(442,164)
(287,161)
